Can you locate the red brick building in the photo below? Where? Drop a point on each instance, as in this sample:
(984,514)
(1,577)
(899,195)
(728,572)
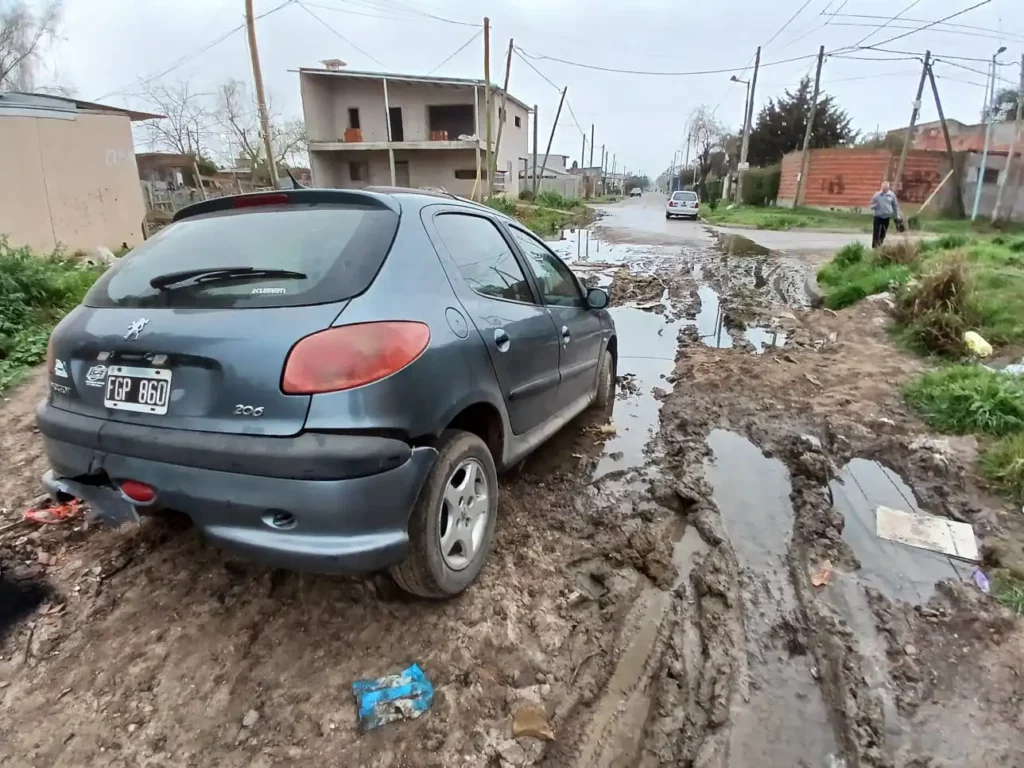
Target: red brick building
(847,177)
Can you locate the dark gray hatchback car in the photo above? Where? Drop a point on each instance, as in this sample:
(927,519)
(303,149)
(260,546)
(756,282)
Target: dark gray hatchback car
(325,380)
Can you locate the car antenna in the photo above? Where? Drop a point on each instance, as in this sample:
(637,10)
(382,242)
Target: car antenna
(294,182)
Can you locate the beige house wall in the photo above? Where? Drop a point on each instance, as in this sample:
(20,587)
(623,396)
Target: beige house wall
(72,183)
(326,100)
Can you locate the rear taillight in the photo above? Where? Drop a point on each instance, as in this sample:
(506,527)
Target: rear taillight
(671,204)
(51,357)
(138,492)
(351,356)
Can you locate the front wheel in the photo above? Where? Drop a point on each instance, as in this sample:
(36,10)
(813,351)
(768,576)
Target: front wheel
(452,522)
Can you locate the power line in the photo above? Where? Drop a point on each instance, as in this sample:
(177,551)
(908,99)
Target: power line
(528,63)
(934,23)
(412,9)
(925,21)
(873,32)
(975,71)
(370,56)
(960,32)
(573,116)
(189,56)
(458,50)
(918,54)
(598,68)
(788,22)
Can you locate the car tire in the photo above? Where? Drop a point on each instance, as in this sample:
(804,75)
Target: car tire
(427,571)
(668,216)
(605,382)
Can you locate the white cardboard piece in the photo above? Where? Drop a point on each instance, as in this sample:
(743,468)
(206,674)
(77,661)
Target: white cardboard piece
(924,531)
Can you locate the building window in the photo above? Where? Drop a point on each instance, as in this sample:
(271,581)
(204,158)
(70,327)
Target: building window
(519,122)
(470,174)
(353,118)
(359,171)
(991,176)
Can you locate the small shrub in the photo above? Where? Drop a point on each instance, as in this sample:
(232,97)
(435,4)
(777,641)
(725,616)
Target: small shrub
(503,204)
(761,185)
(945,243)
(527,195)
(902,251)
(853,253)
(939,308)
(1003,463)
(961,399)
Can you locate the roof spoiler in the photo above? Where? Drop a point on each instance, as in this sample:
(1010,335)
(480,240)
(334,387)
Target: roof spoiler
(302,196)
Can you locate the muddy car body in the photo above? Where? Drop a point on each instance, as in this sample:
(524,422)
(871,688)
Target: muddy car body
(325,380)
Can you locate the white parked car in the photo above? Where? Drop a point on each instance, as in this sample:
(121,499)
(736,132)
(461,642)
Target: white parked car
(683,204)
(635,192)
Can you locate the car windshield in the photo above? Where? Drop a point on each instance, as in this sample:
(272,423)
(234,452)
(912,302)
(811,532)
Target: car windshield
(281,256)
(689,197)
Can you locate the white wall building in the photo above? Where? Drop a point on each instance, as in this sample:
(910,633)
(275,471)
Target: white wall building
(437,131)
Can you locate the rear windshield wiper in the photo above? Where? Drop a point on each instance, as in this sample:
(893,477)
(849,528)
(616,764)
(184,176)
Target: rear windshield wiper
(215,274)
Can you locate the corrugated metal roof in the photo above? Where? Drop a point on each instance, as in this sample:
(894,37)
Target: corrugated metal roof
(60,107)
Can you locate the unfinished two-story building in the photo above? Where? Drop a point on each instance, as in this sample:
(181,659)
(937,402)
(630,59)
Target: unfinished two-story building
(373,128)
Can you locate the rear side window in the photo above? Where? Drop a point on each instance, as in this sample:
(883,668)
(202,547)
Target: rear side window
(339,249)
(483,257)
(689,197)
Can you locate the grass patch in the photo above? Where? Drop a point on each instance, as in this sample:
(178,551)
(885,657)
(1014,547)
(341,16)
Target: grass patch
(1009,591)
(857,272)
(35,293)
(963,399)
(777,218)
(541,220)
(1002,463)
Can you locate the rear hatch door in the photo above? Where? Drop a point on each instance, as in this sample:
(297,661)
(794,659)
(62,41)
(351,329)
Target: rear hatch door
(192,329)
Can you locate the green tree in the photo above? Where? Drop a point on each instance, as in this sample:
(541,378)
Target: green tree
(781,125)
(638,181)
(1006,105)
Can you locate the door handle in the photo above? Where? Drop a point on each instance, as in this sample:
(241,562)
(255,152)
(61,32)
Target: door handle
(566,336)
(501,340)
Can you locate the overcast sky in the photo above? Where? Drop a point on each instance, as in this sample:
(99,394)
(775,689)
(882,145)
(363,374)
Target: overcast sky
(108,46)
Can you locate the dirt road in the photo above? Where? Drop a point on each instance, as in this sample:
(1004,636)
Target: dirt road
(650,590)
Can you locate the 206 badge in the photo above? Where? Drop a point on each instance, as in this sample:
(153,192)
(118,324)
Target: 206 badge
(136,328)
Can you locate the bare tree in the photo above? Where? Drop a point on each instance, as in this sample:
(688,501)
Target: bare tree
(708,136)
(22,31)
(185,129)
(239,116)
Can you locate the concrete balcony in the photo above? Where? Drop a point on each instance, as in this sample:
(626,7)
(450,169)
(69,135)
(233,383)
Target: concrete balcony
(357,146)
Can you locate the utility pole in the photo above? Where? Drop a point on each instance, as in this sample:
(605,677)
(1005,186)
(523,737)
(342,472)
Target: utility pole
(949,146)
(554,125)
(613,168)
(805,156)
(503,115)
(604,164)
(583,152)
(1013,149)
(686,162)
(533,185)
(590,165)
(747,120)
(487,104)
(261,100)
(913,121)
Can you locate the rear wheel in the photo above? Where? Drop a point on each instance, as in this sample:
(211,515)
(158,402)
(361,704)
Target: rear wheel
(605,382)
(668,216)
(452,523)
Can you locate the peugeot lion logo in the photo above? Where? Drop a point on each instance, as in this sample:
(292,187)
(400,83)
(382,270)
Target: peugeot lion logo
(136,328)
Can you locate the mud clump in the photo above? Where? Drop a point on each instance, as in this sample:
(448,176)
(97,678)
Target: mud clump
(643,290)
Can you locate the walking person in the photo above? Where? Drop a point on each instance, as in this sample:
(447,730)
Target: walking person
(885,207)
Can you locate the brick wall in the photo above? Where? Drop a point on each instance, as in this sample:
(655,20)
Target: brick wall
(847,178)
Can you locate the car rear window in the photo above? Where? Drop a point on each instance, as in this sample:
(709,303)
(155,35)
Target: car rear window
(340,250)
(687,196)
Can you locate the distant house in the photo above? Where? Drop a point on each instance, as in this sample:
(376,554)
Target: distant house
(431,129)
(71,177)
(963,137)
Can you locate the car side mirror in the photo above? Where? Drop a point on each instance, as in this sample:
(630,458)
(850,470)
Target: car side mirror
(597,298)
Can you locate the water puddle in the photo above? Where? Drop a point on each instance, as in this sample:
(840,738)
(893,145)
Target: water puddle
(781,719)
(647,350)
(737,245)
(897,571)
(713,332)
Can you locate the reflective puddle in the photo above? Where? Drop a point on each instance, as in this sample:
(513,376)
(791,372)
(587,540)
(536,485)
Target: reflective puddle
(897,571)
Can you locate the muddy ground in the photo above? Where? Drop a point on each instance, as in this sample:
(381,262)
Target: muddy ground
(649,600)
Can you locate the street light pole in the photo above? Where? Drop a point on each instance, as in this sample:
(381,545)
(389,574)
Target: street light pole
(988,139)
(743,134)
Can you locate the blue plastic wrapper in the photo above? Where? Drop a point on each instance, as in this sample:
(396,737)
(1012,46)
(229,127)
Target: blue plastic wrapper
(384,700)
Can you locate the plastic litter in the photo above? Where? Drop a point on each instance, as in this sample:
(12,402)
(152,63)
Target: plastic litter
(981,580)
(54,515)
(824,574)
(383,700)
(977,344)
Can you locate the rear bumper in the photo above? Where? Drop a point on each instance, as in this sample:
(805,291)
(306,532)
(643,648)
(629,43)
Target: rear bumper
(339,525)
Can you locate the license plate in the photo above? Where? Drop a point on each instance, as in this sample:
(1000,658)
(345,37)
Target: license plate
(143,390)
